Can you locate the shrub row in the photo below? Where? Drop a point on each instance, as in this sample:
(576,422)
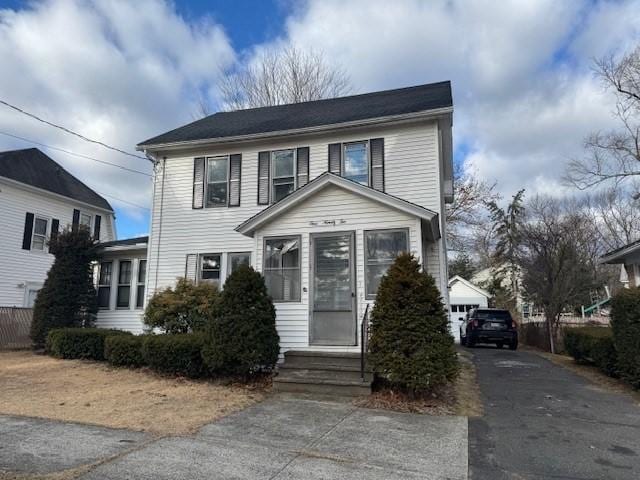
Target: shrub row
(625,323)
(592,345)
(84,343)
(178,354)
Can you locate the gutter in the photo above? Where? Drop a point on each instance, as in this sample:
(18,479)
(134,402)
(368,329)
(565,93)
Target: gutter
(394,119)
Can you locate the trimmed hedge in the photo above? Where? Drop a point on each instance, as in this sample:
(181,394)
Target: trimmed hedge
(84,343)
(176,354)
(124,350)
(592,345)
(625,323)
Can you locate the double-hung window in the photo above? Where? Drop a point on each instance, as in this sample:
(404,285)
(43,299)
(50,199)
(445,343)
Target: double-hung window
(104,285)
(217,181)
(39,237)
(234,260)
(124,284)
(284,173)
(85,221)
(282,268)
(210,264)
(355,162)
(142,275)
(381,249)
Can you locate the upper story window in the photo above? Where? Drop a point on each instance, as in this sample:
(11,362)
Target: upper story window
(85,220)
(355,162)
(39,237)
(283,164)
(217,181)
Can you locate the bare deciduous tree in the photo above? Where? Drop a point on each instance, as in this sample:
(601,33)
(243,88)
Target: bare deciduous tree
(468,211)
(279,77)
(614,156)
(558,258)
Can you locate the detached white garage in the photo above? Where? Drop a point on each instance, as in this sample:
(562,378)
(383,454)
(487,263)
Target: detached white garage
(463,296)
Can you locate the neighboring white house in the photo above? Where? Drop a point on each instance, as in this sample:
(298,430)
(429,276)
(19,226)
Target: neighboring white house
(484,277)
(463,296)
(38,199)
(629,257)
(120,280)
(319,196)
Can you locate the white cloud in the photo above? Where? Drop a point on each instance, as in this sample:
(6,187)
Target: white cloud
(116,71)
(524,91)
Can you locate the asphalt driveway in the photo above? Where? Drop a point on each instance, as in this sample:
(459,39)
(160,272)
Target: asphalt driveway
(281,438)
(544,422)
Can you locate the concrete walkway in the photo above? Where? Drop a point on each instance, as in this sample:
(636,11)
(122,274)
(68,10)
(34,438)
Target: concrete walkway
(542,421)
(281,438)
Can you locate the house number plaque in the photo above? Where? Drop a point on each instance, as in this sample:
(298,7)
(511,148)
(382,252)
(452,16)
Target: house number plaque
(333,222)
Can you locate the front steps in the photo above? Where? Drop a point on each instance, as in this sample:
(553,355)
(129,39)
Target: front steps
(322,373)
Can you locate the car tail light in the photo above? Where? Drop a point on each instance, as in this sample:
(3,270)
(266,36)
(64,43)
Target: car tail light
(474,324)
(513,325)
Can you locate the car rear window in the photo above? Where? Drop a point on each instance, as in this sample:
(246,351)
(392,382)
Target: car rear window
(499,315)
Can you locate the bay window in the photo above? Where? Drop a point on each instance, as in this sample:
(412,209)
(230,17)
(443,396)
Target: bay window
(381,249)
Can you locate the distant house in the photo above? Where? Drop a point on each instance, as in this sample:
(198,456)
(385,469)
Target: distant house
(629,257)
(463,296)
(38,199)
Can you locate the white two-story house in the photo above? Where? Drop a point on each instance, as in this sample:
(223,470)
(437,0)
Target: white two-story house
(319,196)
(39,199)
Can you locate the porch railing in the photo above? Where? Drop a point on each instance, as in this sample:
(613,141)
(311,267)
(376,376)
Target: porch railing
(364,341)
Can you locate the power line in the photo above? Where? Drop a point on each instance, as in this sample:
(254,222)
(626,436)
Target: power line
(75,154)
(71,132)
(124,201)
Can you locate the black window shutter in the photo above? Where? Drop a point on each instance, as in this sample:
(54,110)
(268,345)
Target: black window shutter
(76,220)
(335,158)
(235,171)
(28,231)
(96,227)
(377,163)
(302,156)
(55,226)
(198,182)
(264,177)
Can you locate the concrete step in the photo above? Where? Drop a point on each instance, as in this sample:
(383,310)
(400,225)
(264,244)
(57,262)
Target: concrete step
(321,386)
(344,373)
(304,358)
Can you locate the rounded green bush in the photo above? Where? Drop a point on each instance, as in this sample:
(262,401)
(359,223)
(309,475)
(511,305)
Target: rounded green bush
(124,350)
(625,323)
(410,345)
(242,337)
(83,343)
(593,346)
(175,354)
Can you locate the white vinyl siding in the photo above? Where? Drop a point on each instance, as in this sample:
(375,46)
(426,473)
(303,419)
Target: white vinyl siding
(19,266)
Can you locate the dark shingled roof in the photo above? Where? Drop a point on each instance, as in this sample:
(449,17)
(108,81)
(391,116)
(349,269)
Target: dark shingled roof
(311,114)
(32,167)
(125,241)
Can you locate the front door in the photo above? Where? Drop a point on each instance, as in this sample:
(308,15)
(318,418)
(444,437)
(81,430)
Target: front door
(333,315)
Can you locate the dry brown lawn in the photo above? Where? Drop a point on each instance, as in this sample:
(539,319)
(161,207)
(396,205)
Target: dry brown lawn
(91,392)
(462,397)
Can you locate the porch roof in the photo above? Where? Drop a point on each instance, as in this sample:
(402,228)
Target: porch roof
(428,217)
(622,254)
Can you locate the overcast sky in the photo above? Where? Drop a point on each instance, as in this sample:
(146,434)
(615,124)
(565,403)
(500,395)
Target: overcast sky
(122,71)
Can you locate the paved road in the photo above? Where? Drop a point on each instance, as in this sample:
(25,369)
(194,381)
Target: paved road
(543,422)
(280,438)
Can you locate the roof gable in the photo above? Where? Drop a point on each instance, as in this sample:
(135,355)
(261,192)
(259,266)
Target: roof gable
(34,168)
(318,184)
(388,103)
(468,284)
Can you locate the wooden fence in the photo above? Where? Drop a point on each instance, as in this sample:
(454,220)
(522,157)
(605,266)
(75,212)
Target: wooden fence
(15,324)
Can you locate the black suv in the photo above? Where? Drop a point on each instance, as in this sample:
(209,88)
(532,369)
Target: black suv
(489,325)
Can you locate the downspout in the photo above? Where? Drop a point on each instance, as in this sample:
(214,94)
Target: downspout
(155,283)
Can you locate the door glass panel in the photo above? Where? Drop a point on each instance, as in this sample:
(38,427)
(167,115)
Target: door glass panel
(332,290)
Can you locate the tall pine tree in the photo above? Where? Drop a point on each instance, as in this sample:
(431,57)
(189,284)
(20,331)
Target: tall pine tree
(67,298)
(411,346)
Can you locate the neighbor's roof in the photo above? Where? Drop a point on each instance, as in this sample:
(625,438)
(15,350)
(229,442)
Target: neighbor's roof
(265,216)
(126,242)
(472,286)
(32,167)
(617,255)
(317,113)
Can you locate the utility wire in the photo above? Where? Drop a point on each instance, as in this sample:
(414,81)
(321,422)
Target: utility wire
(124,201)
(71,132)
(75,154)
